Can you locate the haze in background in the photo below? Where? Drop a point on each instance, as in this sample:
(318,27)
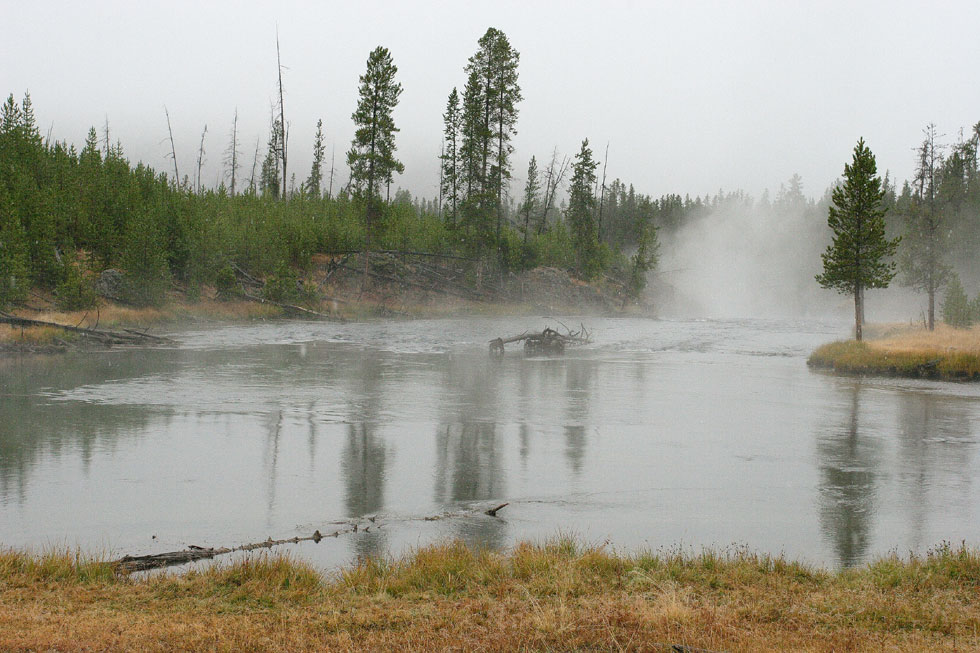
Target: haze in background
(691,96)
(756,258)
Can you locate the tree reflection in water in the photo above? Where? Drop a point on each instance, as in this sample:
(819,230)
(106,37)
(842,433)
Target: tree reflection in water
(848,463)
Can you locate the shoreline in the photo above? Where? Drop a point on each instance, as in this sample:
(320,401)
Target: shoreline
(946,354)
(558,595)
(542,290)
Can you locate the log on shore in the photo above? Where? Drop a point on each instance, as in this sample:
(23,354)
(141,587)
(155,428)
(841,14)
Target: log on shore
(299,310)
(124,337)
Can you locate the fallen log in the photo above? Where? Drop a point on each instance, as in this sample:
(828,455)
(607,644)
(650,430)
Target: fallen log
(193,553)
(295,309)
(124,337)
(548,341)
(129,564)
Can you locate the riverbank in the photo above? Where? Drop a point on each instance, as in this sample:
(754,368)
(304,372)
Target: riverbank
(558,596)
(400,292)
(946,354)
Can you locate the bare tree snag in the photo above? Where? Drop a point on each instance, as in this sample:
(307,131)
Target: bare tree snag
(200,158)
(282,116)
(173,149)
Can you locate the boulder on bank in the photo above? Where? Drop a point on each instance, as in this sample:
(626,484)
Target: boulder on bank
(110,284)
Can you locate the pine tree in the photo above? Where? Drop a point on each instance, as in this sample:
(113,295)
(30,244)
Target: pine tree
(490,118)
(451,172)
(957,311)
(856,259)
(11,116)
(472,138)
(581,211)
(644,258)
(14,258)
(371,157)
(926,235)
(269,178)
(531,188)
(315,180)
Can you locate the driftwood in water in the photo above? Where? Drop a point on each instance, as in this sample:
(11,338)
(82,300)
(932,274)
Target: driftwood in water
(493,511)
(129,564)
(548,341)
(124,337)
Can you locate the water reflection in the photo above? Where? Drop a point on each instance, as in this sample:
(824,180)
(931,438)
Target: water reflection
(32,428)
(936,445)
(363,463)
(468,463)
(849,461)
(277,435)
(579,379)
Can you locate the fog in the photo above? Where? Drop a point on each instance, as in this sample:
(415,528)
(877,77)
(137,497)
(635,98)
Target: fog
(691,96)
(746,258)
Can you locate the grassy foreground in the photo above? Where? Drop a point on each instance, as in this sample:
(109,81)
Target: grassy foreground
(946,353)
(557,596)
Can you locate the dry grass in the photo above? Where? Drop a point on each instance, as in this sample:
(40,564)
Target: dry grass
(916,339)
(557,596)
(946,353)
(113,316)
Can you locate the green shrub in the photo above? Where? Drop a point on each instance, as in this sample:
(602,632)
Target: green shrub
(283,286)
(75,292)
(957,310)
(226,283)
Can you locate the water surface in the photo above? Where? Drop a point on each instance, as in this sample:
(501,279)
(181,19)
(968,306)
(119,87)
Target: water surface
(659,434)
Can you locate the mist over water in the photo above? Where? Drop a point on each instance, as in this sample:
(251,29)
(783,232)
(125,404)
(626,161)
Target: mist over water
(745,259)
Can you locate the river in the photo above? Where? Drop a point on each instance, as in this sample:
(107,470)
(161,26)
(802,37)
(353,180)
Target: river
(659,435)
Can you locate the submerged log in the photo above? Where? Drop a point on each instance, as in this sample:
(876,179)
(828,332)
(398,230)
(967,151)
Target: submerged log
(193,553)
(549,341)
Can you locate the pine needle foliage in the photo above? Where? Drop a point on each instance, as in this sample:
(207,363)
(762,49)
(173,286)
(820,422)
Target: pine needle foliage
(859,256)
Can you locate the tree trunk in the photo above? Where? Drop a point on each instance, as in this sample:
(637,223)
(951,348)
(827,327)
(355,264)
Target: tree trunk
(932,309)
(862,306)
(858,311)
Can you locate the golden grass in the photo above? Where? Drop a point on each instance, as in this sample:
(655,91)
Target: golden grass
(916,339)
(556,596)
(113,316)
(946,353)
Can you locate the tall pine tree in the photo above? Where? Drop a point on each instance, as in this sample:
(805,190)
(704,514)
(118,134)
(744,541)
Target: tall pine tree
(371,157)
(581,212)
(926,235)
(451,169)
(314,182)
(489,123)
(857,257)
(530,201)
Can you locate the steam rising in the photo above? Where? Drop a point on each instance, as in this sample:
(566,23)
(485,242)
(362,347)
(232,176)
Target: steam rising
(739,258)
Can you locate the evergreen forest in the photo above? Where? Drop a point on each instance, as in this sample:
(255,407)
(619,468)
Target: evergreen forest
(67,213)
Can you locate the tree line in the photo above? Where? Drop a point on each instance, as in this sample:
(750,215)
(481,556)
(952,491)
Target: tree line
(67,213)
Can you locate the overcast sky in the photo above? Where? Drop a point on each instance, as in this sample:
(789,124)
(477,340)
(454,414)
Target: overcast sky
(692,96)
